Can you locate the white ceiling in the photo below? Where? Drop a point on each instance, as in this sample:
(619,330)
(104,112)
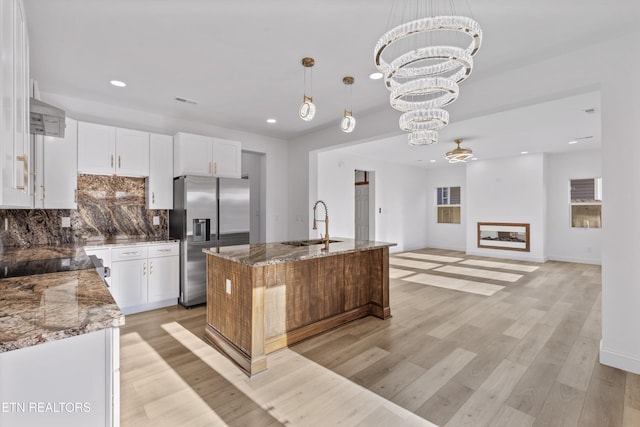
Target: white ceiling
(240,59)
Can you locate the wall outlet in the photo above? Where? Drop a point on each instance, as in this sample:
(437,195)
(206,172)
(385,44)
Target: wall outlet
(228,285)
(65,222)
(156,220)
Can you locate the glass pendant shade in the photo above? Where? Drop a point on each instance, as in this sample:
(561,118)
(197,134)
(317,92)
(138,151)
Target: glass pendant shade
(307,109)
(348,123)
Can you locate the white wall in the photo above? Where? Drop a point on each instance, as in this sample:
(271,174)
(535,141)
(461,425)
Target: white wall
(565,243)
(446,236)
(275,150)
(400,194)
(507,190)
(620,345)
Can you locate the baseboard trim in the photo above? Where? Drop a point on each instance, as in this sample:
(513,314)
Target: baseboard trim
(626,362)
(592,261)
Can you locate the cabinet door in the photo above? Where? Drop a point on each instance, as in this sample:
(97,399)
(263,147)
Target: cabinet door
(160,182)
(192,155)
(164,278)
(129,283)
(96,149)
(227,160)
(132,152)
(17,180)
(60,183)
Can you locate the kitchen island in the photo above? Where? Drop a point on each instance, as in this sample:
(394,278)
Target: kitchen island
(264,297)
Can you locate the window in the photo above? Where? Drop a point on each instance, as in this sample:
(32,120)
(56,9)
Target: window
(448,202)
(586,203)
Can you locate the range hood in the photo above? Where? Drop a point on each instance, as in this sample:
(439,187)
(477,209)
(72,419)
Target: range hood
(46,119)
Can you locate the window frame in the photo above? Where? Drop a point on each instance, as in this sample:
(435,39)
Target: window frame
(448,203)
(597,201)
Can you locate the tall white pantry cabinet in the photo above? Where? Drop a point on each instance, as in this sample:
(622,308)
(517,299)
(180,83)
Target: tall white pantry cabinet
(16,187)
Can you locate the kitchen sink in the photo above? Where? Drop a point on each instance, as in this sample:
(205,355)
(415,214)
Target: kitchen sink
(309,242)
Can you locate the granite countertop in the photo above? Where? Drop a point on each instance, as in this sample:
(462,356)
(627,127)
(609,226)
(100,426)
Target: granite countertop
(51,292)
(273,253)
(25,261)
(47,307)
(99,243)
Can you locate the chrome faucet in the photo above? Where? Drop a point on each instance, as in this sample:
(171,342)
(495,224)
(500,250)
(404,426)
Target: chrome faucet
(325,239)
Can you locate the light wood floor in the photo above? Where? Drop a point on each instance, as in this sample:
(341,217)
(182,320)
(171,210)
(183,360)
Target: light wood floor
(525,356)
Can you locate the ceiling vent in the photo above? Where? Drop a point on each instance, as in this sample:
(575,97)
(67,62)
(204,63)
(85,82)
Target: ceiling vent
(186,100)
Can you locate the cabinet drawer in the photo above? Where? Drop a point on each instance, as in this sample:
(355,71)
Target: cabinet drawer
(164,250)
(128,252)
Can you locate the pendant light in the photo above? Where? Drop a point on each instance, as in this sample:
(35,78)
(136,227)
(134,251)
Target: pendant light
(348,123)
(308,108)
(430,55)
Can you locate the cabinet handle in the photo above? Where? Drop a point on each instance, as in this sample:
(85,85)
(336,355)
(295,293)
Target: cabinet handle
(119,162)
(131,253)
(215,168)
(150,268)
(210,171)
(164,250)
(25,172)
(42,194)
(75,195)
(144,269)
(112,160)
(153,197)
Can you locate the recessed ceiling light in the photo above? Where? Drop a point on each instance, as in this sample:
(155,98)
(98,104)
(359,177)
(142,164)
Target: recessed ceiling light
(474,158)
(271,121)
(432,161)
(118,83)
(573,142)
(375,76)
(524,152)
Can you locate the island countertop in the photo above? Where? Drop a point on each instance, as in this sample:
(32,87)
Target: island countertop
(259,254)
(53,293)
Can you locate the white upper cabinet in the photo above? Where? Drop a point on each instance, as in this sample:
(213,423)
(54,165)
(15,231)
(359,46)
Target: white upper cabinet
(96,148)
(132,152)
(192,155)
(15,148)
(227,158)
(105,150)
(160,181)
(206,156)
(58,177)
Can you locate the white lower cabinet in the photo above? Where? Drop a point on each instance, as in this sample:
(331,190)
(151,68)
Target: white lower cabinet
(70,382)
(143,277)
(164,273)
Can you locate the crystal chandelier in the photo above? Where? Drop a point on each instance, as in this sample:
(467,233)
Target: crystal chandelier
(348,122)
(458,154)
(424,79)
(307,108)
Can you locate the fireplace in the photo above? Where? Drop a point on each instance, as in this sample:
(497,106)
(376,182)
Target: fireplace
(503,235)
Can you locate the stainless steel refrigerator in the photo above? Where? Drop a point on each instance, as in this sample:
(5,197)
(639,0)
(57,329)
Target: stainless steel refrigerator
(207,212)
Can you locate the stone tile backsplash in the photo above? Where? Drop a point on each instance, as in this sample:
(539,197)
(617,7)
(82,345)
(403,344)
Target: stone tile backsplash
(109,207)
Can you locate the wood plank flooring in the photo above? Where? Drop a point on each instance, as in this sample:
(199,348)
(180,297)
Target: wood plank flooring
(527,355)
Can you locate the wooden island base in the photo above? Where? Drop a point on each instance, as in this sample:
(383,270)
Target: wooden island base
(254,310)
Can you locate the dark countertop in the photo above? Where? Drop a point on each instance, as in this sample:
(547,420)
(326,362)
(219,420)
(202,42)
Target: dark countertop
(49,293)
(26,261)
(273,253)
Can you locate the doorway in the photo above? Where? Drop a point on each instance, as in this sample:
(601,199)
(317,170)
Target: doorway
(364,205)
